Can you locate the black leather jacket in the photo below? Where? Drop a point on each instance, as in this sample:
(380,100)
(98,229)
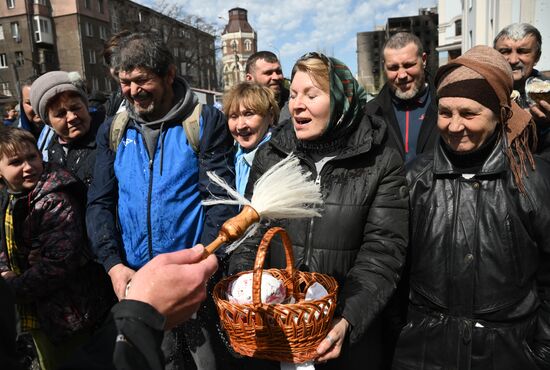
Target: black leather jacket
(480,267)
(362,235)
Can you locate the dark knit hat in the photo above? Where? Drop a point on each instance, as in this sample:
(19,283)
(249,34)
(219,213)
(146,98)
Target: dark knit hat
(51,84)
(484,62)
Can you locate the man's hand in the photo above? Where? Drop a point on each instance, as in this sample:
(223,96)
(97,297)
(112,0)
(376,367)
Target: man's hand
(9,274)
(34,256)
(174,283)
(540,111)
(331,346)
(120,276)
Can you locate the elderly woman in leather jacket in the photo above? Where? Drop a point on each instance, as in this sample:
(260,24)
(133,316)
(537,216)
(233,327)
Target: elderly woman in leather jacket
(361,237)
(480,247)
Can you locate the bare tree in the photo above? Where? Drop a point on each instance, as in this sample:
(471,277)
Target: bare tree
(197,52)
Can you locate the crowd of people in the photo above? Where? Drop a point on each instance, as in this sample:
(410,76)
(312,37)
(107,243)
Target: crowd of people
(433,222)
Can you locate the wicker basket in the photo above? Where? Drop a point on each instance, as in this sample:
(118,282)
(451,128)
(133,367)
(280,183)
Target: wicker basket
(280,332)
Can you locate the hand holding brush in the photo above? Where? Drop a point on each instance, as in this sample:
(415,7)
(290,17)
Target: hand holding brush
(283,192)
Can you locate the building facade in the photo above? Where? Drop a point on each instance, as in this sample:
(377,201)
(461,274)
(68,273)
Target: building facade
(370,63)
(369,60)
(450,30)
(37,36)
(193,49)
(239,41)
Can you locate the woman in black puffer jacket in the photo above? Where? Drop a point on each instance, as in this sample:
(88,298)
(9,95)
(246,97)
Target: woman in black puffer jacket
(363,232)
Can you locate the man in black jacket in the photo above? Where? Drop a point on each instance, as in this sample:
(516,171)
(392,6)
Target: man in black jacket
(406,101)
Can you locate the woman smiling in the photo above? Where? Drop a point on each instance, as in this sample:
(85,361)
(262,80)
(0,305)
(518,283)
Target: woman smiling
(251,110)
(480,247)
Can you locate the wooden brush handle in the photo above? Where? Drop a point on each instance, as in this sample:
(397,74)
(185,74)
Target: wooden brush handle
(233,229)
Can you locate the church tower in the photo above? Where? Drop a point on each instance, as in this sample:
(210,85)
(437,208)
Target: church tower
(239,41)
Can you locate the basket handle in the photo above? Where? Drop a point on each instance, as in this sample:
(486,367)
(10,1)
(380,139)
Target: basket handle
(260,258)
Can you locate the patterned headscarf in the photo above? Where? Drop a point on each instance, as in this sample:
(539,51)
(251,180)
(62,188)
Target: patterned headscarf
(347,97)
(482,74)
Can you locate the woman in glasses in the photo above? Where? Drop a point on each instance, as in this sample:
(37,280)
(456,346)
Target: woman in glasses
(361,237)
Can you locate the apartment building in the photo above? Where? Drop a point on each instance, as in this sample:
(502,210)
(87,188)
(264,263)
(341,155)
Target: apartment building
(37,36)
(370,46)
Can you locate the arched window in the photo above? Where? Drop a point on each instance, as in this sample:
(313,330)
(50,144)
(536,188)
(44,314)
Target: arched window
(247,45)
(224,47)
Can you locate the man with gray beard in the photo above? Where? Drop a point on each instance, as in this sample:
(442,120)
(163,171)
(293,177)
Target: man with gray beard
(406,102)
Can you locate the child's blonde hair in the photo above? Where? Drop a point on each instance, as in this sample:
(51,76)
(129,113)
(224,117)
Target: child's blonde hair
(14,140)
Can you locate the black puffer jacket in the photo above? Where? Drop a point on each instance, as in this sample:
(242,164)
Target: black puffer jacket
(480,267)
(361,237)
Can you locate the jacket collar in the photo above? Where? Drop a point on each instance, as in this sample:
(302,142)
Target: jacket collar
(494,164)
(370,130)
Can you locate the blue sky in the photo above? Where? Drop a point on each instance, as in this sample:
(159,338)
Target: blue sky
(291,28)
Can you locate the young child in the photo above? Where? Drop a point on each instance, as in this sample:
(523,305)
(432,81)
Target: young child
(251,110)
(43,255)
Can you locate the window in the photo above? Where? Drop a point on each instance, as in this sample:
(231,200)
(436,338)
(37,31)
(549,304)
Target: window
(248,45)
(11,4)
(87,4)
(44,26)
(183,68)
(458,27)
(89,29)
(15,31)
(3,61)
(1,32)
(176,52)
(108,84)
(95,84)
(103,32)
(91,57)
(100,6)
(19,58)
(5,88)
(40,2)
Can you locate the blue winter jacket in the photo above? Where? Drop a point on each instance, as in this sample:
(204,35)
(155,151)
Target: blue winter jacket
(157,203)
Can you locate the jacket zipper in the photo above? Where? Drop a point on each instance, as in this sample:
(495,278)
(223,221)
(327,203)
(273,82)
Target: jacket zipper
(149,228)
(309,247)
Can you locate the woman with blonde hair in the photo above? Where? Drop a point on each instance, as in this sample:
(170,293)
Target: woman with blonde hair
(251,111)
(361,236)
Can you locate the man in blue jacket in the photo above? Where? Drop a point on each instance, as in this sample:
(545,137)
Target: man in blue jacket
(146,195)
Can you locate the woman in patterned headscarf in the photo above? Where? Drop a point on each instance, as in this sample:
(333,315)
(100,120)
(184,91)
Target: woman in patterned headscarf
(480,248)
(361,237)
